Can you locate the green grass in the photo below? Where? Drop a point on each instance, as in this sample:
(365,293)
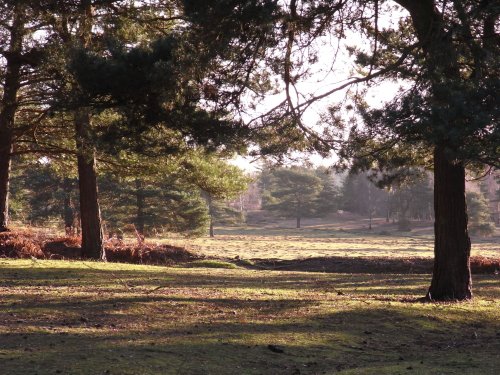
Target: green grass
(321,241)
(211,263)
(94,318)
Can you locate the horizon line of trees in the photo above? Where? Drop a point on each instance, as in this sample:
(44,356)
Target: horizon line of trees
(299,192)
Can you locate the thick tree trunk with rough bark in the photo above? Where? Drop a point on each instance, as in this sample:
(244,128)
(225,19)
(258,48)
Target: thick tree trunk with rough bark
(8,107)
(451,278)
(90,213)
(5,152)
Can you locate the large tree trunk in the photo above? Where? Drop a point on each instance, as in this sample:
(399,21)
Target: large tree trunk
(451,278)
(5,152)
(90,213)
(8,109)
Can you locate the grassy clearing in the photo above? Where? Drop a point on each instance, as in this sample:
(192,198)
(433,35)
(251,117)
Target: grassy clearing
(211,263)
(93,318)
(321,241)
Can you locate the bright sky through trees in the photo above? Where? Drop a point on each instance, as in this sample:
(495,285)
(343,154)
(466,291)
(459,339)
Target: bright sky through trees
(334,68)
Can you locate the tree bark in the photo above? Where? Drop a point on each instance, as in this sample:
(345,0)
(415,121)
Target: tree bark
(90,213)
(5,161)
(451,277)
(8,108)
(211,229)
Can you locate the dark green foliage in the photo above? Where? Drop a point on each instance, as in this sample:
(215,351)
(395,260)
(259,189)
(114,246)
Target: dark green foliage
(328,199)
(480,222)
(241,44)
(152,88)
(152,207)
(41,194)
(230,37)
(291,192)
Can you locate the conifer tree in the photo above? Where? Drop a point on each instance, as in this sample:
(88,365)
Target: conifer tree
(480,222)
(446,51)
(292,192)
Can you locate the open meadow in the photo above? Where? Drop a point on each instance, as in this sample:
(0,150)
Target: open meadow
(213,317)
(319,239)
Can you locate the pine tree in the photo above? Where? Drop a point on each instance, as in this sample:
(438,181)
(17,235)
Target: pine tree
(292,192)
(21,54)
(480,222)
(152,205)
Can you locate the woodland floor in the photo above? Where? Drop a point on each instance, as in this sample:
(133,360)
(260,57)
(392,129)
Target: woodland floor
(74,317)
(208,316)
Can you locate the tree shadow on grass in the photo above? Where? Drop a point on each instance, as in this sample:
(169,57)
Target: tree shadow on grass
(371,340)
(163,280)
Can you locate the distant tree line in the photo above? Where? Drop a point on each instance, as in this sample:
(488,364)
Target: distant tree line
(181,199)
(299,192)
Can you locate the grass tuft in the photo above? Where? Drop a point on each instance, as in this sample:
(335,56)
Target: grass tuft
(211,263)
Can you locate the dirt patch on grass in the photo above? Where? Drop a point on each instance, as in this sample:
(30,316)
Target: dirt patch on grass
(26,244)
(336,264)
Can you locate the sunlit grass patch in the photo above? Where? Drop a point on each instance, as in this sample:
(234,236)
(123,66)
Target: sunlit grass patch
(93,318)
(282,243)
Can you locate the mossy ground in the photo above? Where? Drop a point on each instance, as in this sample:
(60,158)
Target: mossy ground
(94,318)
